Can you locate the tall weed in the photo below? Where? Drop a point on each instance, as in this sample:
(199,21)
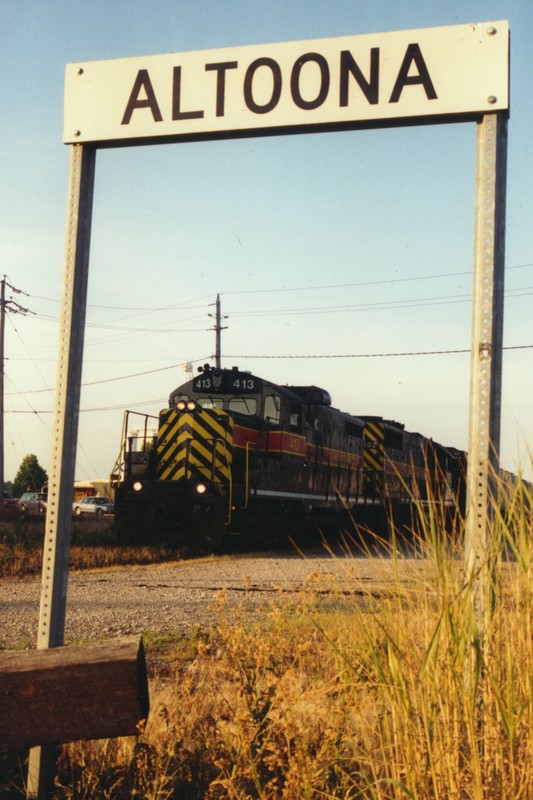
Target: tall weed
(352,689)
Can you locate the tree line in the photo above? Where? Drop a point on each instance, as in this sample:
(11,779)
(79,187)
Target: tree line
(31,477)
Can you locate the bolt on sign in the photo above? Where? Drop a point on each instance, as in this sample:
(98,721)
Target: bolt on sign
(348,81)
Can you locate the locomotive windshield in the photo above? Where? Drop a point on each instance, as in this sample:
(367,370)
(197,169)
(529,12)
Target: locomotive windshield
(243,405)
(239,404)
(211,402)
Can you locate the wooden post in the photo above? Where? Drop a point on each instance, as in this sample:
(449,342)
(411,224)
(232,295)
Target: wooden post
(62,694)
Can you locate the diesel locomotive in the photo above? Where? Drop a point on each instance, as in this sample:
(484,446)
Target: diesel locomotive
(235,455)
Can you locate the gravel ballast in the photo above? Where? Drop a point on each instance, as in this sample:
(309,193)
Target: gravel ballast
(181,595)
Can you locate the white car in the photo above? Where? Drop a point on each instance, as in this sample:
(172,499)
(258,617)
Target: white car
(93,505)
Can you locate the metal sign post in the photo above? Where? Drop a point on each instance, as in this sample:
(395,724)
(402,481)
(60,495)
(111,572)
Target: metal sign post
(41,769)
(487,348)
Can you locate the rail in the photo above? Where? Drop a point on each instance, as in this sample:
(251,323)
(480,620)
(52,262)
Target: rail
(119,468)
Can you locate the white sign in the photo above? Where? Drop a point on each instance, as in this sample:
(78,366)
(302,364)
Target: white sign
(350,81)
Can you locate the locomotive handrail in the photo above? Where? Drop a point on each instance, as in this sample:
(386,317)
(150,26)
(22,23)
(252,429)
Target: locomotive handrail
(247,472)
(187,458)
(120,461)
(216,452)
(119,467)
(222,454)
(230,487)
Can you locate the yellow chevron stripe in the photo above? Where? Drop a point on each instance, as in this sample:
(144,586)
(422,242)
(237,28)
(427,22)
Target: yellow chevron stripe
(168,471)
(200,458)
(205,425)
(209,427)
(194,442)
(374,433)
(203,449)
(373,463)
(201,454)
(209,449)
(374,441)
(168,426)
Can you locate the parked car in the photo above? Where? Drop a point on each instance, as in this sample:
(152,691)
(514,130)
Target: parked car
(9,503)
(33,503)
(93,505)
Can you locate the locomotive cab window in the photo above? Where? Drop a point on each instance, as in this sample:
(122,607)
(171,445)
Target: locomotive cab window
(210,402)
(296,418)
(272,409)
(243,405)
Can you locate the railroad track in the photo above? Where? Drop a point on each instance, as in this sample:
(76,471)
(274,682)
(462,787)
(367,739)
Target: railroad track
(182,595)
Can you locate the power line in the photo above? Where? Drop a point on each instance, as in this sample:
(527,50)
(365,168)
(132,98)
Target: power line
(381,282)
(386,305)
(384,281)
(6,304)
(382,355)
(118,407)
(30,409)
(122,377)
(32,359)
(411,353)
(143,309)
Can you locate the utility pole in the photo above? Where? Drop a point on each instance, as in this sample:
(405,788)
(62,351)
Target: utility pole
(10,305)
(218,328)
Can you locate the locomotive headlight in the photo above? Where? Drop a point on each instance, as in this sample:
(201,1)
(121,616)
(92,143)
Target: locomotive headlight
(186,405)
(137,486)
(201,488)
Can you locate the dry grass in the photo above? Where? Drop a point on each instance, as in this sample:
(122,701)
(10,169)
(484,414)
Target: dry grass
(380,698)
(93,546)
(311,703)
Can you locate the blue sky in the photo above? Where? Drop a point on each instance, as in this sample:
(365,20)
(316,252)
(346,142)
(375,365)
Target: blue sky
(321,246)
